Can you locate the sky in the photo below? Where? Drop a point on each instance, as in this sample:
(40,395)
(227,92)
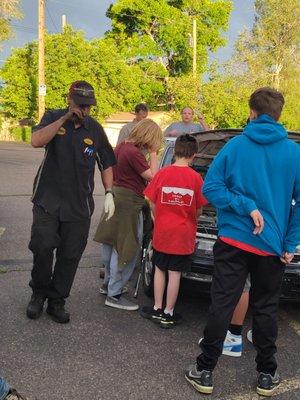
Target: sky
(89,15)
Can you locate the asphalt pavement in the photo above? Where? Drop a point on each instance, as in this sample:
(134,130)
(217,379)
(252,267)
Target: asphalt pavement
(107,354)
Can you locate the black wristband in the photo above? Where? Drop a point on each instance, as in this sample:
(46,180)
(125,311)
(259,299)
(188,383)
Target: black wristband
(110,191)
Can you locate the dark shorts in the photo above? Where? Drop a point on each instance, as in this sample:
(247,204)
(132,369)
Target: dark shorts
(172,262)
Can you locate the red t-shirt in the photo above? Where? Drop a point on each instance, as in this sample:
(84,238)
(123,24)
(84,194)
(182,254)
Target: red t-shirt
(131,163)
(176,193)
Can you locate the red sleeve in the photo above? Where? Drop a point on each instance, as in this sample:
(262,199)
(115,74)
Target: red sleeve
(200,199)
(137,160)
(152,189)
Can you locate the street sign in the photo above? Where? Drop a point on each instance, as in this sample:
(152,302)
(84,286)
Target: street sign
(42,90)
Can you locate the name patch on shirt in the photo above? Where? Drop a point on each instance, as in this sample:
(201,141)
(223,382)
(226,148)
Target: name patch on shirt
(176,196)
(61,131)
(88,141)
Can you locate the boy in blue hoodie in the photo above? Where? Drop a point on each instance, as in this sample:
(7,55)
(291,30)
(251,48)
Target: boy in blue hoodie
(254,183)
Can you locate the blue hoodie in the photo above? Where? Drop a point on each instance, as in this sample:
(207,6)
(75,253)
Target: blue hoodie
(260,169)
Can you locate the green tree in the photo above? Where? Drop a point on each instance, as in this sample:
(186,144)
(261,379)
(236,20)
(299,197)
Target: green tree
(9,9)
(270,51)
(266,55)
(225,102)
(69,57)
(154,34)
(157,31)
(19,74)
(269,54)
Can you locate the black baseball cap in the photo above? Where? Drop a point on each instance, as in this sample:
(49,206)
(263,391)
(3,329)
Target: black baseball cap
(82,93)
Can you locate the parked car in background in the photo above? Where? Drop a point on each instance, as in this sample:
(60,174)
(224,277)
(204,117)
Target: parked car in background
(210,143)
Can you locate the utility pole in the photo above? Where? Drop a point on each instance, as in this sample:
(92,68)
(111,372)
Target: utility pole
(41,58)
(194,47)
(63,22)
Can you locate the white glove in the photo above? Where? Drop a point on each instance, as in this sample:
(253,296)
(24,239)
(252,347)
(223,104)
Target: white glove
(109,205)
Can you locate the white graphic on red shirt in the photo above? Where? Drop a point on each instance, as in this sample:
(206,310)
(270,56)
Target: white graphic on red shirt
(175,196)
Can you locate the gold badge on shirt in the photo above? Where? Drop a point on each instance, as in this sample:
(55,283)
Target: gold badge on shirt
(61,131)
(88,141)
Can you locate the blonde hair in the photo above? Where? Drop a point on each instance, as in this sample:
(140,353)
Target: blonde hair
(147,134)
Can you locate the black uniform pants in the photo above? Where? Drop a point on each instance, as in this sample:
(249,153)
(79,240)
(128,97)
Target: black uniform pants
(69,239)
(230,272)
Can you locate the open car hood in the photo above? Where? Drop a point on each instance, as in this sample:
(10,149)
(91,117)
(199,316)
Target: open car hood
(211,142)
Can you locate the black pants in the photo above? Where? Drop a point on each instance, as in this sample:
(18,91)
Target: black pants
(69,239)
(230,272)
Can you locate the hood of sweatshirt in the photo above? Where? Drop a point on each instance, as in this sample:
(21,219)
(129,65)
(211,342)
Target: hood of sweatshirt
(265,130)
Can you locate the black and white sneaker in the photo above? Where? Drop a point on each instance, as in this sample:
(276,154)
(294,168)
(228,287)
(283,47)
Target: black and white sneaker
(169,321)
(154,315)
(201,380)
(267,384)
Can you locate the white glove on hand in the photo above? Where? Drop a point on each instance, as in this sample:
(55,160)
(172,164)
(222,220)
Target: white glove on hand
(109,205)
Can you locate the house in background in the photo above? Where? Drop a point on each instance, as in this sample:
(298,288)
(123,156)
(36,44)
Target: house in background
(114,123)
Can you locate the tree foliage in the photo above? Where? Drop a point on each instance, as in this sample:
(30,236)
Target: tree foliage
(157,31)
(145,57)
(9,9)
(69,57)
(266,55)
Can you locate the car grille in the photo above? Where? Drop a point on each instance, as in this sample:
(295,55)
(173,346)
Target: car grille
(291,286)
(296,260)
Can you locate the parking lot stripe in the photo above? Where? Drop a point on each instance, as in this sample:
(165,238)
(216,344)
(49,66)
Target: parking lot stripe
(285,386)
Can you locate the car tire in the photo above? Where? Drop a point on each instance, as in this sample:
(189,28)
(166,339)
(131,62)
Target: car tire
(148,271)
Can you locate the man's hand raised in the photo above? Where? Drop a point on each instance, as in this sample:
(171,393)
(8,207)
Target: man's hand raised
(74,112)
(258,220)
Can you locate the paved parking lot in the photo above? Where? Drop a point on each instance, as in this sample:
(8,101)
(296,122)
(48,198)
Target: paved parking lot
(106,354)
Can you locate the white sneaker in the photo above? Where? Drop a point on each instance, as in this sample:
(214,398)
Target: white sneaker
(122,303)
(249,336)
(232,345)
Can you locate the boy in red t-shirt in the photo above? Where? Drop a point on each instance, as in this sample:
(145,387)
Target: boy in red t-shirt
(176,202)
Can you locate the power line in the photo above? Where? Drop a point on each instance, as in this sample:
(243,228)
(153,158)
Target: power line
(66,4)
(24,28)
(52,20)
(29,29)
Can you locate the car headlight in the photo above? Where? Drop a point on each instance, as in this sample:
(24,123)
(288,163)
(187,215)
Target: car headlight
(205,246)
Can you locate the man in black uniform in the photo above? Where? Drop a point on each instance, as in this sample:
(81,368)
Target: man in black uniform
(62,197)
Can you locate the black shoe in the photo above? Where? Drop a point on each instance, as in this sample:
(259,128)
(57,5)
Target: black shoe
(200,380)
(35,306)
(154,315)
(267,384)
(169,321)
(56,309)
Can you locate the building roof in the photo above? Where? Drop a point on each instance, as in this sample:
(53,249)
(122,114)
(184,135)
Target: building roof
(123,117)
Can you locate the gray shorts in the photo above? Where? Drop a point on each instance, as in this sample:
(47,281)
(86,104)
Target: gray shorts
(247,286)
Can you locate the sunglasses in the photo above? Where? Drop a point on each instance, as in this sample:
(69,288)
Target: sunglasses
(83,92)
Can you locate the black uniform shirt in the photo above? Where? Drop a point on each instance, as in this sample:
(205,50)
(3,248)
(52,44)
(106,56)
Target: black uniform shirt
(64,183)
